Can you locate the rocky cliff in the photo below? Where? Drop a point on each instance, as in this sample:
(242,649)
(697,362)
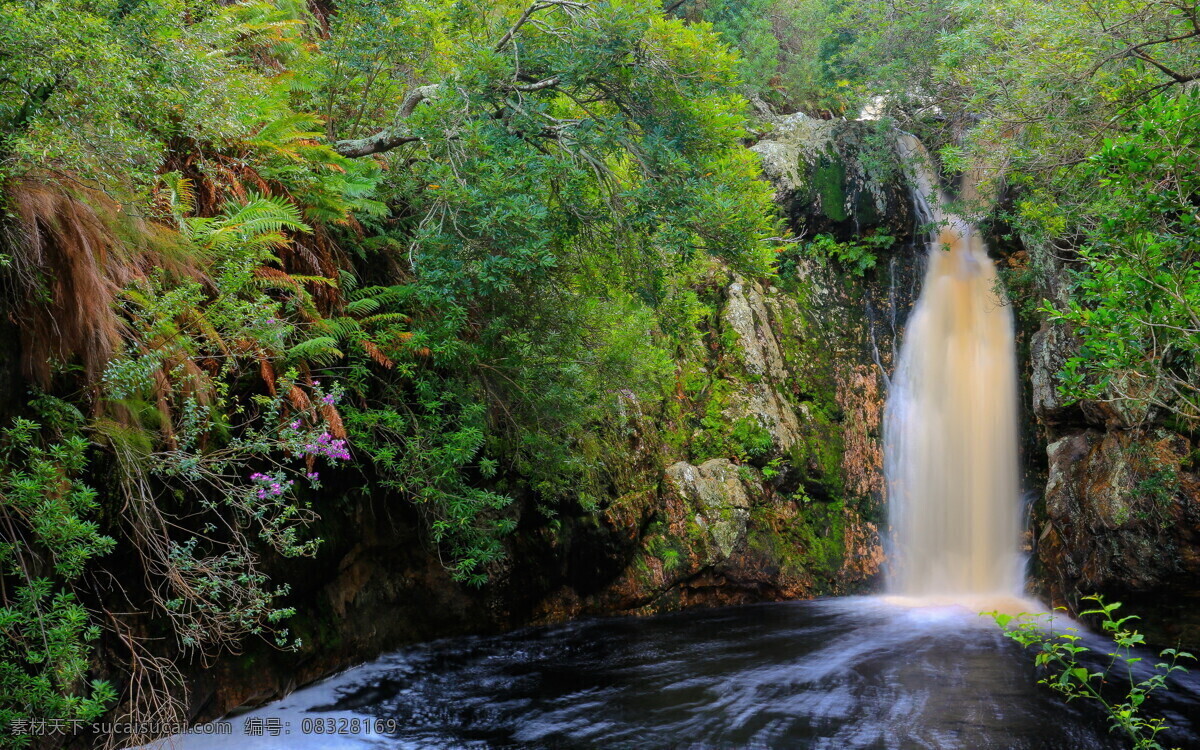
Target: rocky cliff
(1120,514)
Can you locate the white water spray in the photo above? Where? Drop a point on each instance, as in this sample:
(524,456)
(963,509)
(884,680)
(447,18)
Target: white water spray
(950,428)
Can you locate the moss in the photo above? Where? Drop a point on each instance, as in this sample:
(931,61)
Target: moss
(810,543)
(828,180)
(819,454)
(731,344)
(642,573)
(712,433)
(752,439)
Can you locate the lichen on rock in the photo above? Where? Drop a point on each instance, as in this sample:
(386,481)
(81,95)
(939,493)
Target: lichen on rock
(720,496)
(760,353)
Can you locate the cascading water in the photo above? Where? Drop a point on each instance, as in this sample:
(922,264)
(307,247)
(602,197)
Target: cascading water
(950,428)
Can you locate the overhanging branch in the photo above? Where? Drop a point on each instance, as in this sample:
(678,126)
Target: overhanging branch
(384,140)
(552,81)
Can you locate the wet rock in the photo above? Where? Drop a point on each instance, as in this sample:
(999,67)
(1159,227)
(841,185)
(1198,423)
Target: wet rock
(1121,510)
(1049,349)
(1123,518)
(839,176)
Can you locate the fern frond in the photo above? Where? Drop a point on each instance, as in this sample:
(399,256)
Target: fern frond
(320,351)
(257,224)
(375,353)
(385,319)
(181,195)
(386,295)
(344,328)
(363,306)
(288,136)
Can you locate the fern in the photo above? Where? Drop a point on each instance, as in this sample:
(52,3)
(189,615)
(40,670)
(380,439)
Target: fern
(264,214)
(385,319)
(288,135)
(181,196)
(321,350)
(364,306)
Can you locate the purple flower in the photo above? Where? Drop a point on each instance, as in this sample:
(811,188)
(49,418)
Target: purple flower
(312,476)
(325,445)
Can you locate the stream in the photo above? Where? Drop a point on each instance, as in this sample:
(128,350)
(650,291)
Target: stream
(855,672)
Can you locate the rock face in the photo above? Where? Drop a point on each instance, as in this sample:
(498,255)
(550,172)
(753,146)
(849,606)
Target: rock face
(746,315)
(775,489)
(839,176)
(1049,349)
(1122,518)
(719,494)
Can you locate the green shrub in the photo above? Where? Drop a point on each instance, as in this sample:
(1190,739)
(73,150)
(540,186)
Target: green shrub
(1059,654)
(50,535)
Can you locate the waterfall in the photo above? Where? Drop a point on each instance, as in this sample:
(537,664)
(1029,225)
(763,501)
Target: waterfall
(950,426)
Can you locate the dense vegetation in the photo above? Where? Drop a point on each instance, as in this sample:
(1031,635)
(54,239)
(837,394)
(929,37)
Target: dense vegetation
(410,245)
(246,243)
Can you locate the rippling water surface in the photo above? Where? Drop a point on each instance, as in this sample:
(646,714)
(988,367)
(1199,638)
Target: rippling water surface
(838,673)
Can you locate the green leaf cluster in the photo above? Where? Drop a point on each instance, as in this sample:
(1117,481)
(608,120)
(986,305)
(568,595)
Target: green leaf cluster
(51,535)
(1136,302)
(1059,654)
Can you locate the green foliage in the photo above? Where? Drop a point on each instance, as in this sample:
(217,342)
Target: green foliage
(754,440)
(554,229)
(1136,304)
(428,455)
(1059,654)
(97,87)
(785,48)
(493,307)
(855,256)
(50,538)
(746,26)
(235,457)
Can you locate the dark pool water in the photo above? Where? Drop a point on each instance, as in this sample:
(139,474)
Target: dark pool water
(839,673)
